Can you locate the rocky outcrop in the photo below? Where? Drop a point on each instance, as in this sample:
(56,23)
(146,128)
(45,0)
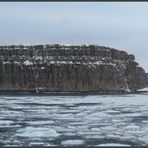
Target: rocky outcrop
(69,68)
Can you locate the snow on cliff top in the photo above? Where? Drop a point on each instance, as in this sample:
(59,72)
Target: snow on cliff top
(27,62)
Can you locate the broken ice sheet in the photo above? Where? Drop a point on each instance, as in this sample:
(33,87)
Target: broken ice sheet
(36,132)
(73,142)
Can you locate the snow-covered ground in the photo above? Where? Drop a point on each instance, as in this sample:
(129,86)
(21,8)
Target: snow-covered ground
(143,89)
(98,120)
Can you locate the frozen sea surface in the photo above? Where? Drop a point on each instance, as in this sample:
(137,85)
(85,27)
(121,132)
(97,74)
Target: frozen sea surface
(97,120)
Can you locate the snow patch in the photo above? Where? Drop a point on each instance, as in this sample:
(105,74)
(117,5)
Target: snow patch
(103,63)
(127,87)
(38,57)
(27,62)
(52,62)
(7,62)
(15,62)
(61,62)
(83,63)
(6,122)
(113,144)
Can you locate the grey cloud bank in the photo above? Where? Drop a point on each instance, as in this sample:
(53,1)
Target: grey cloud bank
(120,25)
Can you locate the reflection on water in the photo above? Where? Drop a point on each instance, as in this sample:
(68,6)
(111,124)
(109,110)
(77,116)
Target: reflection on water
(105,120)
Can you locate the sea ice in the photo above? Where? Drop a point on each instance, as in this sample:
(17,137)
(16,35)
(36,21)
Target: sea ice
(72,142)
(5,122)
(40,122)
(113,144)
(122,117)
(36,132)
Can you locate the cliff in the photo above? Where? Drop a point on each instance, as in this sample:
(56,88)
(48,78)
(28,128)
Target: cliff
(66,68)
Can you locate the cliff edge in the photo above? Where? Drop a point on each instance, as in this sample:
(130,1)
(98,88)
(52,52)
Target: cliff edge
(69,68)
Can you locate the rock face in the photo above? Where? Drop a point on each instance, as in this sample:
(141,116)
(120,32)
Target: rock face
(69,68)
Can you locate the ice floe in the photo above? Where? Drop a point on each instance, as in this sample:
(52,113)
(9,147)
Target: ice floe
(6,122)
(27,62)
(40,122)
(72,142)
(36,132)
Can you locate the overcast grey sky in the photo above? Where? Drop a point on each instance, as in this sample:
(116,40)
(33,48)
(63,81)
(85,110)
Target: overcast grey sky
(122,25)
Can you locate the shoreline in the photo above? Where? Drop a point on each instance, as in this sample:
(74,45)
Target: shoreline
(84,93)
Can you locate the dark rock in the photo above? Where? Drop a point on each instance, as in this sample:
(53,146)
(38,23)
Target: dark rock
(69,68)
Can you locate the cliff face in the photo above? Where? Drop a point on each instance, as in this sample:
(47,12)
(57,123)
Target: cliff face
(68,68)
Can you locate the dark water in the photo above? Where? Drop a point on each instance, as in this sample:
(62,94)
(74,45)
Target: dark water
(74,120)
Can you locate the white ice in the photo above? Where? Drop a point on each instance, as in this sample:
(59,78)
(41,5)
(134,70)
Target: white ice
(5,122)
(72,142)
(40,122)
(36,132)
(113,144)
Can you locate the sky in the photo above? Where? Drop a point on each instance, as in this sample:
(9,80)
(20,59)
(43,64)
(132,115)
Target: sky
(120,25)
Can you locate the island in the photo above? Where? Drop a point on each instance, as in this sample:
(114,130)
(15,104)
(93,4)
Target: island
(69,68)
